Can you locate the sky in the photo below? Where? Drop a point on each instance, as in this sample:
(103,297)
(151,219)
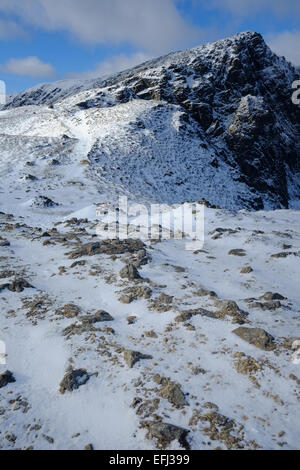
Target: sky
(49,40)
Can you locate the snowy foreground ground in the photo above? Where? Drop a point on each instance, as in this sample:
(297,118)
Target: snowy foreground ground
(193,371)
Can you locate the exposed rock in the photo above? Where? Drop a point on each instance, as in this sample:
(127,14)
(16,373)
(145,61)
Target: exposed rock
(43,202)
(29,177)
(73,380)
(257,337)
(237,252)
(219,232)
(246,270)
(151,334)
(69,311)
(165,299)
(166,433)
(270,305)
(231,308)
(171,391)
(135,292)
(188,314)
(272,296)
(142,258)
(147,408)
(173,394)
(247,365)
(130,272)
(18,285)
(285,254)
(78,263)
(132,357)
(222,428)
(6,273)
(126,299)
(78,329)
(205,292)
(108,247)
(89,447)
(49,439)
(6,378)
(183,317)
(100,316)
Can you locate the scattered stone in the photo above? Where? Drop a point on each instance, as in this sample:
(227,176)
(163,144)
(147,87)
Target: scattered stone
(150,334)
(237,252)
(272,296)
(18,285)
(108,247)
(219,232)
(78,329)
(126,299)
(43,202)
(246,270)
(69,311)
(6,378)
(6,274)
(231,308)
(4,243)
(130,272)
(131,320)
(270,305)
(100,316)
(165,299)
(247,365)
(48,439)
(291,343)
(285,254)
(133,293)
(196,370)
(29,177)
(78,263)
(205,292)
(142,258)
(166,433)
(73,380)
(89,447)
(295,378)
(183,317)
(171,391)
(148,408)
(132,357)
(221,428)
(179,269)
(11,438)
(257,337)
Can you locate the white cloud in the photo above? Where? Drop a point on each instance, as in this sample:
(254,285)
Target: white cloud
(286,44)
(250,7)
(154,25)
(29,67)
(115,64)
(10,30)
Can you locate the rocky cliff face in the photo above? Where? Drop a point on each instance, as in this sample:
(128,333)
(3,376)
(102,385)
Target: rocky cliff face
(234,97)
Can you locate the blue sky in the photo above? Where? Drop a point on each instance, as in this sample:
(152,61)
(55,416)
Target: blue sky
(47,40)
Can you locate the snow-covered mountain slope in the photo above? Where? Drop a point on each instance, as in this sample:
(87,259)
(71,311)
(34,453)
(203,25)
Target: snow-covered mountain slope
(195,371)
(143,344)
(215,121)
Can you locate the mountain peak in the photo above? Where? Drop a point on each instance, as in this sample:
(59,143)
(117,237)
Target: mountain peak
(227,106)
